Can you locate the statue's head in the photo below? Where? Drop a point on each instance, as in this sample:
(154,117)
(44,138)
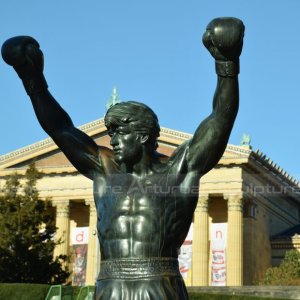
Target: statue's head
(137,118)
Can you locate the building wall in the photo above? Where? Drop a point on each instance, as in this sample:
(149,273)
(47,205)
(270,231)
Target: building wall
(257,247)
(67,186)
(273,212)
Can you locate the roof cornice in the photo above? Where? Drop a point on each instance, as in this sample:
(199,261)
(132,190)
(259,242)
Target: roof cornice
(168,136)
(92,128)
(262,159)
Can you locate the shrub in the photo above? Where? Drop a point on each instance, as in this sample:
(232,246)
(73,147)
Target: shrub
(22,291)
(27,228)
(288,273)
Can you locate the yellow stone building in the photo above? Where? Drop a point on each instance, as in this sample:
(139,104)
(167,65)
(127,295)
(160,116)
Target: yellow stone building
(256,200)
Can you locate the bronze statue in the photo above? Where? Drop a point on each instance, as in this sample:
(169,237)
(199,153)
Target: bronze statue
(145,201)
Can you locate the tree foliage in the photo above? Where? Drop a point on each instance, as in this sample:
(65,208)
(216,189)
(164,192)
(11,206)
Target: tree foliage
(288,273)
(26,234)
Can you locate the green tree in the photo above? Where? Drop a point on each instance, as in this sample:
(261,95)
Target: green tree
(26,234)
(288,273)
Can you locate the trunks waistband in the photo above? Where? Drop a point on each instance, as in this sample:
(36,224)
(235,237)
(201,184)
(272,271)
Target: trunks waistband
(138,268)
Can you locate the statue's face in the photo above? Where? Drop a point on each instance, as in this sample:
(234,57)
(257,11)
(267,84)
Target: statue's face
(126,144)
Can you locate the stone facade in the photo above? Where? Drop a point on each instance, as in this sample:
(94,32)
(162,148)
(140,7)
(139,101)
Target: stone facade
(246,190)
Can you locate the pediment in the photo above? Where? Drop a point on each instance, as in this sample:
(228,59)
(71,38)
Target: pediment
(47,155)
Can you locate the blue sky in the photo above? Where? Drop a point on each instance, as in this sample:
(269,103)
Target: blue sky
(152,52)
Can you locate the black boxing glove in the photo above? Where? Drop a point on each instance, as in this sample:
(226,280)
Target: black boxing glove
(24,55)
(224,40)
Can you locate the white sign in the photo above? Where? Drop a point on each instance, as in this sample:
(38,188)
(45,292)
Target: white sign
(185,256)
(218,236)
(80,235)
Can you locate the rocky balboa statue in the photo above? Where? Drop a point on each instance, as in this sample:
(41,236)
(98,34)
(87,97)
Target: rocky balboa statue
(145,201)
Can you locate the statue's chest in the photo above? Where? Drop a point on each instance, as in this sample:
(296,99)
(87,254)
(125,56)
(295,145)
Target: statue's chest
(127,196)
(134,205)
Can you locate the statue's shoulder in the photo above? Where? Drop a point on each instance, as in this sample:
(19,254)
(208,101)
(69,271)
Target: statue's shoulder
(176,162)
(106,157)
(180,152)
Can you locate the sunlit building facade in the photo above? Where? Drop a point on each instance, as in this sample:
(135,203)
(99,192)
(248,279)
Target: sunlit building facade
(247,215)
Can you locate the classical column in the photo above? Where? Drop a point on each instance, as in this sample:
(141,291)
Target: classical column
(62,224)
(234,251)
(200,243)
(92,260)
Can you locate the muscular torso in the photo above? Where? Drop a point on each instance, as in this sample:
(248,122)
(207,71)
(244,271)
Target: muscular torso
(144,217)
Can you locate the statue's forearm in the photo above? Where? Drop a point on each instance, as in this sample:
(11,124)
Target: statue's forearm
(226,100)
(211,137)
(50,114)
(79,148)
(218,125)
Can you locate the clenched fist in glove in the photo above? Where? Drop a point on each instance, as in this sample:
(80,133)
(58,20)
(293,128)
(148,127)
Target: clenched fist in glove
(24,55)
(224,40)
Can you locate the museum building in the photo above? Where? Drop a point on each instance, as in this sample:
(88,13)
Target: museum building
(247,216)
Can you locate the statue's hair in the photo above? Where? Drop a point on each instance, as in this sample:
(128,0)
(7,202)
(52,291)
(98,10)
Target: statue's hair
(139,116)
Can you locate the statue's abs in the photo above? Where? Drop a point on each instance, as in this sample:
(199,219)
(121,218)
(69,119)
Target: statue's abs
(136,221)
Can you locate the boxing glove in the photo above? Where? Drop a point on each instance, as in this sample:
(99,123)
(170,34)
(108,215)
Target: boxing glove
(224,40)
(24,55)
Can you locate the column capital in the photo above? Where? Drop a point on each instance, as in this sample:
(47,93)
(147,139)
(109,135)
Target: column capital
(91,203)
(234,201)
(202,203)
(62,207)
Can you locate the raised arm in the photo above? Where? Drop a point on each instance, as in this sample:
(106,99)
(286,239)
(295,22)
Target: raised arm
(224,40)
(24,54)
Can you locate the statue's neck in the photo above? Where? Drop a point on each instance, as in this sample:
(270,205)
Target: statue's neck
(140,169)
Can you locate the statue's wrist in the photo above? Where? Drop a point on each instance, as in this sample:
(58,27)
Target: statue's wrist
(35,85)
(227,68)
